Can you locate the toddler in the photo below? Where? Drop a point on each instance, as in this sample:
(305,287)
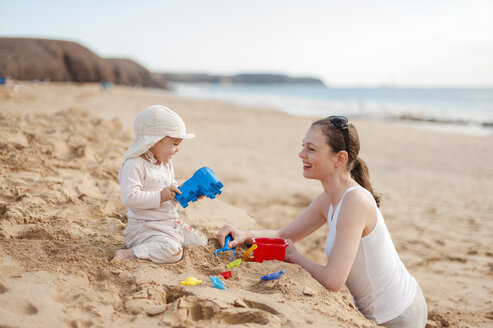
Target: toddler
(148,188)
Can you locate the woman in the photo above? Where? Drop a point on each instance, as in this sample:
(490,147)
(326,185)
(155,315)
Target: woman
(359,249)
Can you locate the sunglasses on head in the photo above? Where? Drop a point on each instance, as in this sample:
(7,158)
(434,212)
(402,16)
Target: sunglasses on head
(342,123)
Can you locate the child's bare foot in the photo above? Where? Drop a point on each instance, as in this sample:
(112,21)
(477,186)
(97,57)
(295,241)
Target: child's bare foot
(123,255)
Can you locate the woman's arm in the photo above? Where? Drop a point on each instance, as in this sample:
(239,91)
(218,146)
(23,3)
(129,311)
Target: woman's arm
(309,220)
(312,218)
(356,213)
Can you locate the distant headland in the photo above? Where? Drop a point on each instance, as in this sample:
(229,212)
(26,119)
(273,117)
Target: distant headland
(65,61)
(256,78)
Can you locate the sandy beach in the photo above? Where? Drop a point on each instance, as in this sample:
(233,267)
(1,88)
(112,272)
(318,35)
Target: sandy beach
(61,216)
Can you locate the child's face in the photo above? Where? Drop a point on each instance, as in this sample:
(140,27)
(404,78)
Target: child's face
(165,148)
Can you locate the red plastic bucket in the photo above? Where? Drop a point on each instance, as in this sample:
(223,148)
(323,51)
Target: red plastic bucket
(269,249)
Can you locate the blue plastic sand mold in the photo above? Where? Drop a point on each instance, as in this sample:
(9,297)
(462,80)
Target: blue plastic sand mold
(217,282)
(226,247)
(203,182)
(272,276)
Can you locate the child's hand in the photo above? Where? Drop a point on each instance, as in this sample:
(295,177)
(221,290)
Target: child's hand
(198,197)
(169,193)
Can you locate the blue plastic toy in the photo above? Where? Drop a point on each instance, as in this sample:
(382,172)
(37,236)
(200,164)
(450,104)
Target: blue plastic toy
(217,283)
(203,182)
(272,276)
(3,80)
(226,247)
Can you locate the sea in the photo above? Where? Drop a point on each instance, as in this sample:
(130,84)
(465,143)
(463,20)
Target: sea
(462,110)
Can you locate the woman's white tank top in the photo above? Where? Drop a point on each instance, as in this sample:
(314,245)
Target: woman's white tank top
(381,286)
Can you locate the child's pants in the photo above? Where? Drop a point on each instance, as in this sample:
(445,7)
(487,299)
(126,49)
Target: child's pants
(161,241)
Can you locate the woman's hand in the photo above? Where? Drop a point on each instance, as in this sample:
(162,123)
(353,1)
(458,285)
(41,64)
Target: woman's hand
(239,236)
(291,253)
(169,193)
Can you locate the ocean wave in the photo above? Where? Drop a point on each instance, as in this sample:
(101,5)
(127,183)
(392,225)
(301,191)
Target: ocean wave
(313,104)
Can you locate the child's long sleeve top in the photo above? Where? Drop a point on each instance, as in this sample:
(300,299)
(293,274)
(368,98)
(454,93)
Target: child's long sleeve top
(140,186)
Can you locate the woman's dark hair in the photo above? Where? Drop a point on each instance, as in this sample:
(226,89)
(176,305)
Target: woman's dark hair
(357,167)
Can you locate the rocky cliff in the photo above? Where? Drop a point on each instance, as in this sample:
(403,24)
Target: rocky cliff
(54,60)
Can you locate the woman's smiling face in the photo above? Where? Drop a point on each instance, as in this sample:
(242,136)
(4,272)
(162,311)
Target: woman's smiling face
(316,154)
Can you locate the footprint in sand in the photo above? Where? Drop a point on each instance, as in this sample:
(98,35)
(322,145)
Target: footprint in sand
(255,312)
(3,289)
(34,233)
(22,307)
(196,309)
(261,306)
(248,316)
(185,307)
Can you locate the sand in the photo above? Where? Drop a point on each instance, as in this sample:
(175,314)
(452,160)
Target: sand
(61,217)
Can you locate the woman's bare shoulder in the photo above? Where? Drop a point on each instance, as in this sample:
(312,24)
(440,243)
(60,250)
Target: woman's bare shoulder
(359,199)
(359,207)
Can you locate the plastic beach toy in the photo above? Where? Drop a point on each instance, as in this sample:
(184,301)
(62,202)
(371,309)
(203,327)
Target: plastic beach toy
(233,264)
(226,248)
(226,274)
(203,183)
(247,256)
(272,276)
(265,249)
(217,282)
(190,281)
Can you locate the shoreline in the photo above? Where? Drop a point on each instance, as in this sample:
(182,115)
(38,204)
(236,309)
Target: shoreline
(424,122)
(424,117)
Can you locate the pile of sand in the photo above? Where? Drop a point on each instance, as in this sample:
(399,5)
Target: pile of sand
(61,219)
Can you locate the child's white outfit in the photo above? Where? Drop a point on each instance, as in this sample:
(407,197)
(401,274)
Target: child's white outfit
(154,231)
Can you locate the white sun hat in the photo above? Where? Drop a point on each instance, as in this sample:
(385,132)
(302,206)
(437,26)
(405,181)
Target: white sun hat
(153,124)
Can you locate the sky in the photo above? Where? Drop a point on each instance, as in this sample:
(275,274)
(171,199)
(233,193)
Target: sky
(344,43)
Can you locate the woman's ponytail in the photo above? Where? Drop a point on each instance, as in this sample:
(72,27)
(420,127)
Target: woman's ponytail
(361,174)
